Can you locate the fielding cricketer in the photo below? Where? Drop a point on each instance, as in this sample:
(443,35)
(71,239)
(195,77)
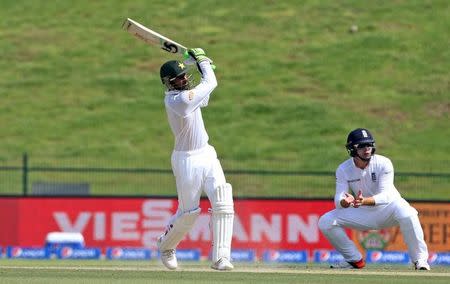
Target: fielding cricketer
(194,162)
(377,204)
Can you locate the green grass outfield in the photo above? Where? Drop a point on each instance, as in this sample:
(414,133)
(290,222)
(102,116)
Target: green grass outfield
(293,81)
(78,91)
(92,272)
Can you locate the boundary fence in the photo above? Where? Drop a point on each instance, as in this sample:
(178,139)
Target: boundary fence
(25,180)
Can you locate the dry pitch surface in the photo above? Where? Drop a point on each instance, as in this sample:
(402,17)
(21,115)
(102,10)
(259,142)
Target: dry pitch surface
(62,272)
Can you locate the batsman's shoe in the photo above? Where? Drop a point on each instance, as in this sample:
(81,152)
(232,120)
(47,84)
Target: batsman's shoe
(421,265)
(222,264)
(169,259)
(349,264)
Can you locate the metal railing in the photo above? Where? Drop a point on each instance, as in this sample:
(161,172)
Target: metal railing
(24,180)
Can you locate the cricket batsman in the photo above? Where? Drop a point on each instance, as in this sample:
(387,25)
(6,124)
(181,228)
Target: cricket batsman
(194,162)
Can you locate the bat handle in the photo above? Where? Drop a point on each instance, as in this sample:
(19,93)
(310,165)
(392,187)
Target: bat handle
(188,59)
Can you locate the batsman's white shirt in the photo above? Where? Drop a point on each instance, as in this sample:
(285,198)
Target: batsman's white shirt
(184,111)
(194,161)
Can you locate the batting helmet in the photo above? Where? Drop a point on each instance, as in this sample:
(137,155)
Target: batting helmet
(171,70)
(357,137)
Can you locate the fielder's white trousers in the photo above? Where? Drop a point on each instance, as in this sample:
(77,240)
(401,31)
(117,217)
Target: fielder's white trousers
(196,171)
(396,213)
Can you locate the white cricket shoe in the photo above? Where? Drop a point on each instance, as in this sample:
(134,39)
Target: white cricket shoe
(222,264)
(349,265)
(169,259)
(421,265)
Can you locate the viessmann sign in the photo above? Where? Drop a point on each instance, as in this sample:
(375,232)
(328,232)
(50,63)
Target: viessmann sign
(136,222)
(106,222)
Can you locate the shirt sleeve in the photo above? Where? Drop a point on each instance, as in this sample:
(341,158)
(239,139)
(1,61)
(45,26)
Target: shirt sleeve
(187,101)
(341,187)
(205,101)
(385,184)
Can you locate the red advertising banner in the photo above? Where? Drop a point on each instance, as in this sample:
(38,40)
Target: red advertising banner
(260,224)
(137,222)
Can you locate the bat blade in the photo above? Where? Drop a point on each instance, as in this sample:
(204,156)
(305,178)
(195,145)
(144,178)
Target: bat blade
(152,38)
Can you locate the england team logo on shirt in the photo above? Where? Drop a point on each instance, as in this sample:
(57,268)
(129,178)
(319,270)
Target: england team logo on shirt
(374,177)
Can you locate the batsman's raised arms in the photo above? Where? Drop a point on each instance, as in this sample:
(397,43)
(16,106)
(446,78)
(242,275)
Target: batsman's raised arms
(152,38)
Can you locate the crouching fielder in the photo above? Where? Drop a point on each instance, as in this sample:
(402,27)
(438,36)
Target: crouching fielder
(377,204)
(194,162)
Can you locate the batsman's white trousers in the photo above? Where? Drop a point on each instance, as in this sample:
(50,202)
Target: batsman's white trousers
(196,171)
(396,213)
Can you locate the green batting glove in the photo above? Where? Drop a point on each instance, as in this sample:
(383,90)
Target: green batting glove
(198,54)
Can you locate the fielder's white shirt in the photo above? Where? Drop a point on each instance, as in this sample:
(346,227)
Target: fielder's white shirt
(184,111)
(376,180)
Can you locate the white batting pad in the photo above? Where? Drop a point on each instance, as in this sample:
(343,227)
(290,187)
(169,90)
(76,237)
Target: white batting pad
(222,222)
(177,229)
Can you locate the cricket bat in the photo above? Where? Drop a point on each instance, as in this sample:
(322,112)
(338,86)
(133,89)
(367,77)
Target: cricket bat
(152,38)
